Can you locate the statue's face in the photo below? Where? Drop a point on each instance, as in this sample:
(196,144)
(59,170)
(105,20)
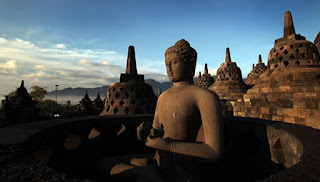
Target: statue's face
(177,69)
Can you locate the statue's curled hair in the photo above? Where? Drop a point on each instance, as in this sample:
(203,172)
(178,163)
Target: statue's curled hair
(183,49)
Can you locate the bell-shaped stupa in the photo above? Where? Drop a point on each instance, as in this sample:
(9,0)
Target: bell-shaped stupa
(256,72)
(229,84)
(131,95)
(290,89)
(205,81)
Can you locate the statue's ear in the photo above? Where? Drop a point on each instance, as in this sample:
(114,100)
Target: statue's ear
(194,61)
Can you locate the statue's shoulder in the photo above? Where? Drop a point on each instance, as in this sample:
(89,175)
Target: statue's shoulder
(203,93)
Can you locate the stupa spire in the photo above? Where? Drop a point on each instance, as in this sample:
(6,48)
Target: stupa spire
(228,58)
(22,84)
(131,62)
(206,69)
(260,59)
(199,74)
(288,24)
(98,96)
(86,95)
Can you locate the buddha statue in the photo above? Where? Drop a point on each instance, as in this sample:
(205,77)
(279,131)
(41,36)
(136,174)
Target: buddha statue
(187,130)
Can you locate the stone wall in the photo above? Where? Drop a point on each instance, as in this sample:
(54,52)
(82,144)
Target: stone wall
(302,110)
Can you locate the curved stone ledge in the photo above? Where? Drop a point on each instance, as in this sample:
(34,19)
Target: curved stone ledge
(255,149)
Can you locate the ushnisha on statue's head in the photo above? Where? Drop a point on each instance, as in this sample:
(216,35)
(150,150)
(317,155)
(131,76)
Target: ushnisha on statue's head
(181,61)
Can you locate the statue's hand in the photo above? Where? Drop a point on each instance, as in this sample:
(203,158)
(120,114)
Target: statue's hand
(157,132)
(143,130)
(158,142)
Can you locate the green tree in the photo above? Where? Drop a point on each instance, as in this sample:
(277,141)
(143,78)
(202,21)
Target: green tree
(38,92)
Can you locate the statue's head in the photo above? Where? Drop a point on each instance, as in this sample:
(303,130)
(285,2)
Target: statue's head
(181,61)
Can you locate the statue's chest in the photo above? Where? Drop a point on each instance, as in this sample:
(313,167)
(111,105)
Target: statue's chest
(179,117)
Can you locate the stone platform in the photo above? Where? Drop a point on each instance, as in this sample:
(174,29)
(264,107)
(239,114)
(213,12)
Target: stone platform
(255,149)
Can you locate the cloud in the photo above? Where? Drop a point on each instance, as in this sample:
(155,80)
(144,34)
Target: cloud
(213,72)
(3,40)
(8,67)
(103,64)
(48,64)
(57,63)
(61,46)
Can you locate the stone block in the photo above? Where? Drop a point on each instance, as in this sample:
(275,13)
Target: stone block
(299,104)
(277,118)
(285,103)
(247,104)
(310,94)
(267,116)
(281,111)
(299,95)
(272,99)
(284,88)
(265,90)
(265,110)
(312,103)
(300,121)
(308,89)
(291,112)
(304,113)
(237,108)
(241,114)
(289,119)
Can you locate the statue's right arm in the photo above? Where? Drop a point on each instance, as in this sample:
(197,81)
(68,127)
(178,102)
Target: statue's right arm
(147,128)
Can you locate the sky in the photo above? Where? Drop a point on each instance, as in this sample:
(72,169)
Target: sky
(81,43)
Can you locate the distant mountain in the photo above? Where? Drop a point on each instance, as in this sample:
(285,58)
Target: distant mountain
(76,94)
(156,85)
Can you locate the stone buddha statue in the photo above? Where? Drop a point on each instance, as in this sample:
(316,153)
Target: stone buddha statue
(187,130)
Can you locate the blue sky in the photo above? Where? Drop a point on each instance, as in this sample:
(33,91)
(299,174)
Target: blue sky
(81,43)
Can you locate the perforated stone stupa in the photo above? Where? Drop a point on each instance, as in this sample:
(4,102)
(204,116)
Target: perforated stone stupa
(290,89)
(131,95)
(255,73)
(229,84)
(205,81)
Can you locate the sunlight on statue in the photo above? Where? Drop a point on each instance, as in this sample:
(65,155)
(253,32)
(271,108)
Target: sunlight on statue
(187,130)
